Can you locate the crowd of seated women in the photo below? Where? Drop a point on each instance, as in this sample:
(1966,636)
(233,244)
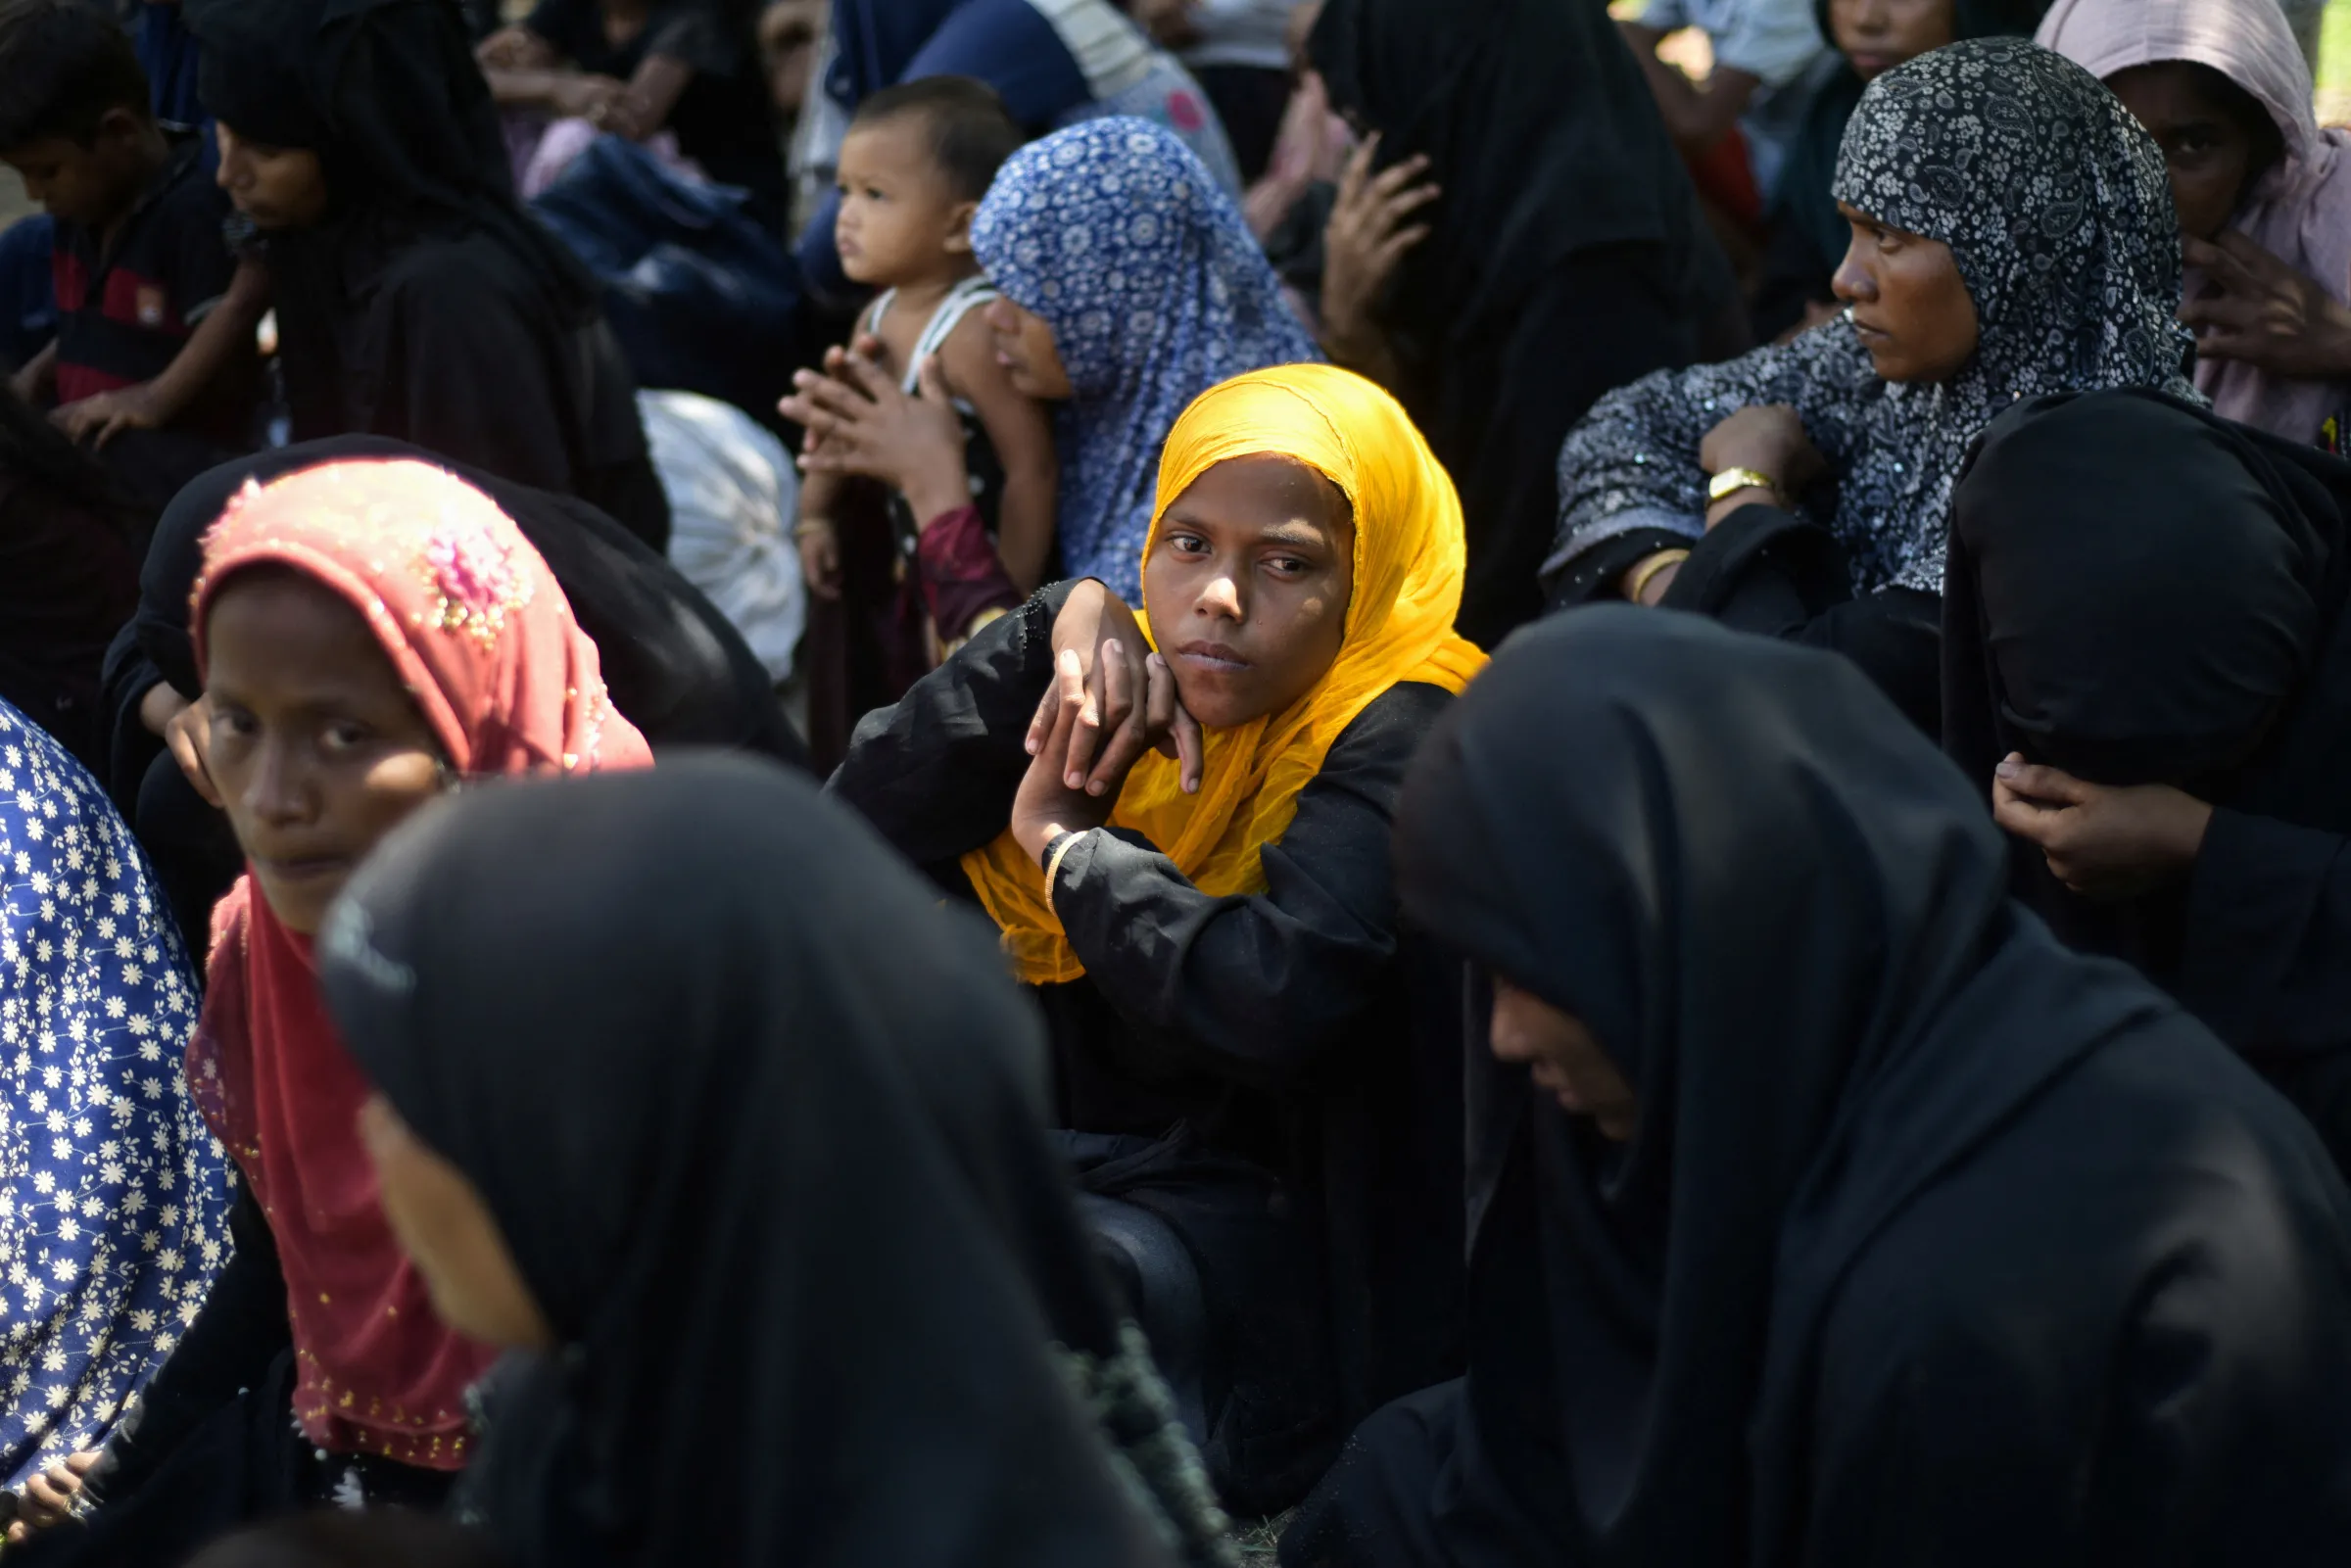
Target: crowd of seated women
(984,781)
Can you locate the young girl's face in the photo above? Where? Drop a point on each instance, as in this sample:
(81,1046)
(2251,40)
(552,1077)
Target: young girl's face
(900,222)
(277,187)
(316,749)
(2209,142)
(1247,581)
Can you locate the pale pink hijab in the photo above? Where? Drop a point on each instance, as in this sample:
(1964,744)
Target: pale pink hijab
(2299,211)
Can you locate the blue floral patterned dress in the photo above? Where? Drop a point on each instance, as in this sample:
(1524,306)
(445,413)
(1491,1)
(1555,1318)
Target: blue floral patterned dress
(113,1199)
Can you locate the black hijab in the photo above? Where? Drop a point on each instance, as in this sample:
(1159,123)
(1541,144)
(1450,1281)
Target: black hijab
(1566,256)
(1536,121)
(2140,591)
(1784,918)
(387,93)
(769,1161)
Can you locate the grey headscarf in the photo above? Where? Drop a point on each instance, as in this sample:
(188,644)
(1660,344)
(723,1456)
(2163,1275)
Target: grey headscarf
(2058,212)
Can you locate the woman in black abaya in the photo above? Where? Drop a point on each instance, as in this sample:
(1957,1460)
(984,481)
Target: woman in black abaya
(1843,1217)
(2148,665)
(1565,253)
(796,1277)
(415,298)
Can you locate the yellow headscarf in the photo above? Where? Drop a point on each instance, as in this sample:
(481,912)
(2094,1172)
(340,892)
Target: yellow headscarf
(1409,564)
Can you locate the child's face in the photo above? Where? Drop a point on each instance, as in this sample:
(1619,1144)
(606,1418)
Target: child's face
(899,223)
(317,748)
(89,185)
(1024,348)
(277,187)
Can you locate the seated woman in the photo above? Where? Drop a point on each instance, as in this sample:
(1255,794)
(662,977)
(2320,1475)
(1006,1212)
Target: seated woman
(1213,934)
(1120,323)
(114,1200)
(2012,235)
(1055,63)
(1829,1210)
(415,298)
(1564,253)
(674,661)
(783,1268)
(2171,759)
(370,634)
(2264,197)
(1807,234)
(637,68)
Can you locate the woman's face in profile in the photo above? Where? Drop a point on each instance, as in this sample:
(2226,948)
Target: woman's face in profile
(448,1231)
(1563,1059)
(1906,301)
(277,187)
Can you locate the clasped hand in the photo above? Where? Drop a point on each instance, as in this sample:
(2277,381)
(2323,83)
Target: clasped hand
(2102,841)
(1111,701)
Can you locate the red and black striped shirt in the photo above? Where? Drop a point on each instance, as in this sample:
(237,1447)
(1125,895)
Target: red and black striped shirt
(124,316)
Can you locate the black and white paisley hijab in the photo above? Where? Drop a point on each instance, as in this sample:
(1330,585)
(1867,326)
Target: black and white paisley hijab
(2058,212)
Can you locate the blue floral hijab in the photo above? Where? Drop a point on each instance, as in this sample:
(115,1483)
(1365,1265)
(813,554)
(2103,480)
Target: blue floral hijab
(1115,236)
(113,1199)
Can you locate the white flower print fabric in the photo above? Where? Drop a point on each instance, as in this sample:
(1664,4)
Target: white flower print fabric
(114,1197)
(1114,235)
(2058,214)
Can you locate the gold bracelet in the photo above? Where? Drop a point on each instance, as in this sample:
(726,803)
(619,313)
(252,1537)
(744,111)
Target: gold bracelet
(1731,481)
(813,525)
(1053,861)
(1650,568)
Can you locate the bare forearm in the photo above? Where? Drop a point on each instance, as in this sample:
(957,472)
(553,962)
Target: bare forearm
(38,374)
(1363,348)
(528,89)
(1695,114)
(1024,528)
(220,340)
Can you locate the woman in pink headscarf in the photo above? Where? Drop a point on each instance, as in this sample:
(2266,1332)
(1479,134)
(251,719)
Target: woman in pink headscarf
(371,632)
(2264,197)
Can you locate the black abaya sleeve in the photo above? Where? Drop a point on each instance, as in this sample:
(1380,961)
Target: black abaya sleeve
(1260,984)
(240,1330)
(1779,574)
(2266,956)
(935,771)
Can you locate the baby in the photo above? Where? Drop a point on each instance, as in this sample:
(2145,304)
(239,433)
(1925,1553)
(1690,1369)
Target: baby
(914,165)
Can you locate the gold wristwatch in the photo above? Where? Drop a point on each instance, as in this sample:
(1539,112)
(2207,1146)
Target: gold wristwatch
(1732,480)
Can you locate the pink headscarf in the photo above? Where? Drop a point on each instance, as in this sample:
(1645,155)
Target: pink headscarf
(484,640)
(2299,211)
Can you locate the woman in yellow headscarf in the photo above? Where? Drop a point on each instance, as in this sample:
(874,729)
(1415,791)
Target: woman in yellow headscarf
(1207,910)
